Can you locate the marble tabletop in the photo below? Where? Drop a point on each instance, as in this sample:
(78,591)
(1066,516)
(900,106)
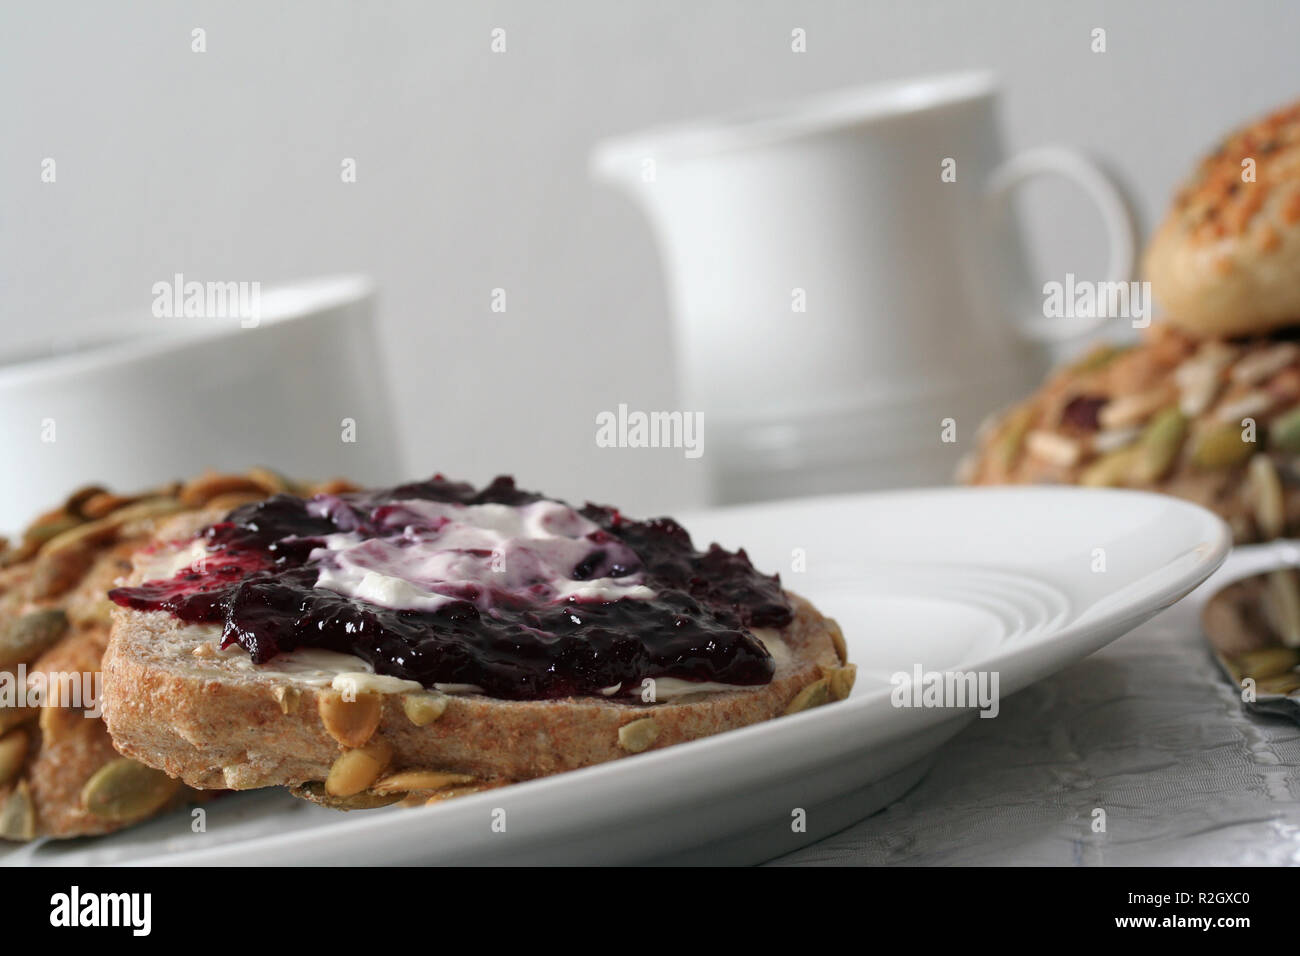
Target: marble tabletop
(1147,730)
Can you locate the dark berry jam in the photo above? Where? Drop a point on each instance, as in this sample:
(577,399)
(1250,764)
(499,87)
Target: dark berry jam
(258,581)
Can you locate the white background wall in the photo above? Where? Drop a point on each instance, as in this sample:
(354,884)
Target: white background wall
(471,170)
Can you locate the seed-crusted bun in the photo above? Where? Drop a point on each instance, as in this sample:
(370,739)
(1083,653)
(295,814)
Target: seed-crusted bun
(1226,260)
(177,701)
(1215,422)
(60,775)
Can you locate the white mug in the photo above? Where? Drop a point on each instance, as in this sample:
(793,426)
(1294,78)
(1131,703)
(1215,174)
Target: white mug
(843,271)
(297,386)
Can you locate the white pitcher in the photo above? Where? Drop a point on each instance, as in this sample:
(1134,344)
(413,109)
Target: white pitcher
(845,275)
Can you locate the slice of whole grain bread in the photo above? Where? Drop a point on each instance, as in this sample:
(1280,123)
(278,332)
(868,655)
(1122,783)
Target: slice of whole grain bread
(174,701)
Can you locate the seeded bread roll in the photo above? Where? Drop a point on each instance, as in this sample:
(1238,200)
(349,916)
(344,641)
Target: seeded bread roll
(54,623)
(1226,260)
(1214,422)
(60,775)
(175,701)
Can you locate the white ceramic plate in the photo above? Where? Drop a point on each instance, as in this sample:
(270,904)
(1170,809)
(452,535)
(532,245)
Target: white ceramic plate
(1019,582)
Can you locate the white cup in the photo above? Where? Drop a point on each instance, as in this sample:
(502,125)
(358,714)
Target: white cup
(147,400)
(828,284)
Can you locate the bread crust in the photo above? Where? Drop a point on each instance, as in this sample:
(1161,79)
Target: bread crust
(216,725)
(1226,259)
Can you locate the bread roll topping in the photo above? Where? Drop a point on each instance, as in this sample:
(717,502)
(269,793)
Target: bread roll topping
(518,595)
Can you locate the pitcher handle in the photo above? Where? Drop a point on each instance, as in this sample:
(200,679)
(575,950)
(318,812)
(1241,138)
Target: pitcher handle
(1111,200)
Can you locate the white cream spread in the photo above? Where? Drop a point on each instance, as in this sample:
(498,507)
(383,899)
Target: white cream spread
(436,552)
(312,667)
(168,562)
